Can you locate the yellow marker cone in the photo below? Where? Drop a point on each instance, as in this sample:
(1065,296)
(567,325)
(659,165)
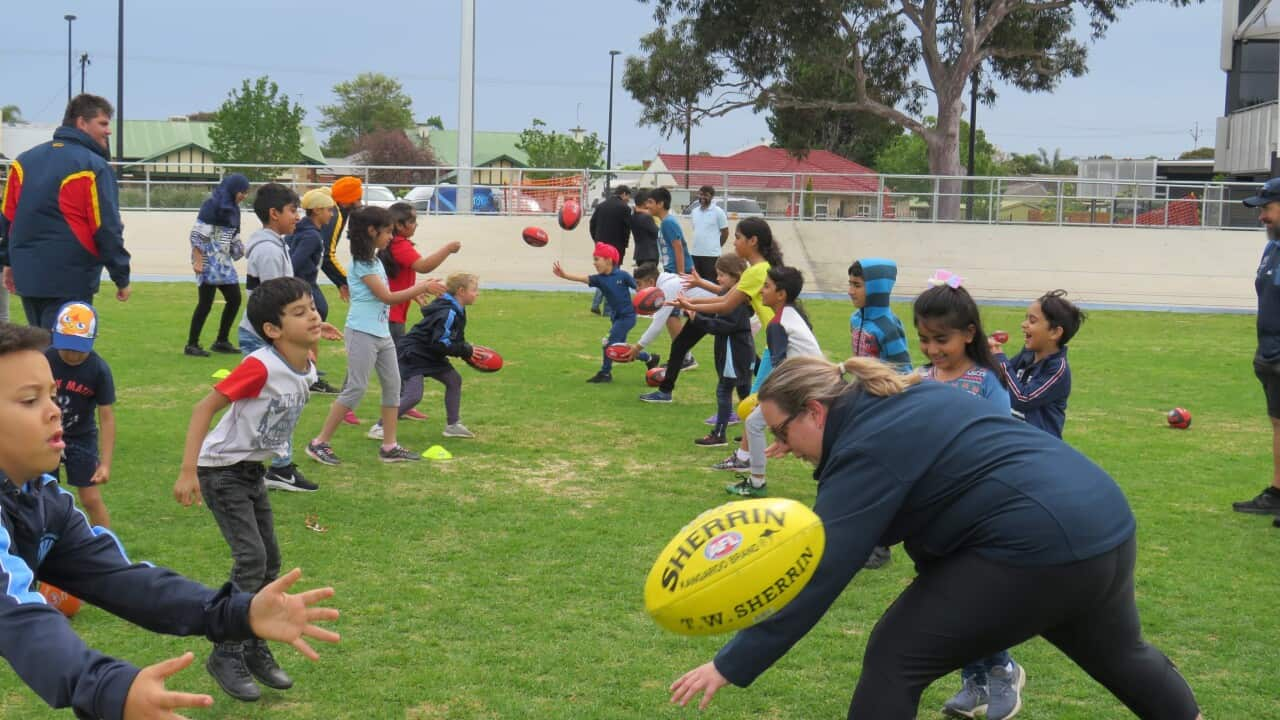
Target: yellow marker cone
(220,374)
(437,452)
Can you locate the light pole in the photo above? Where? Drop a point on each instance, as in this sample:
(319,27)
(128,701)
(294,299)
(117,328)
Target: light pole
(120,83)
(69,19)
(608,151)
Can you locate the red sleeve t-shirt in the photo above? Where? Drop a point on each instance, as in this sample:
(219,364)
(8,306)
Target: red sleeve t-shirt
(405,256)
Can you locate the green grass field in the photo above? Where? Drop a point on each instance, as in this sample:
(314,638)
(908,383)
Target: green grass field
(507,582)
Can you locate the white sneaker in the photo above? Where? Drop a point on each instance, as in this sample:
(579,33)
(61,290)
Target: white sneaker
(375,432)
(457,430)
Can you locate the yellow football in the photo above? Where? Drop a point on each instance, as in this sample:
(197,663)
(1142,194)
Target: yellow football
(734,566)
(746,406)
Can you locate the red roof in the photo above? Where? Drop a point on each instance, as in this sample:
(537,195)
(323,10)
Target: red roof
(708,169)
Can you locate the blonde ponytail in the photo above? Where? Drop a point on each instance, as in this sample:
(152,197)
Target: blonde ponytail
(799,380)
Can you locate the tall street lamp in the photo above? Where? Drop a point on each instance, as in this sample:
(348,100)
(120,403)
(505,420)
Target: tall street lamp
(608,152)
(69,19)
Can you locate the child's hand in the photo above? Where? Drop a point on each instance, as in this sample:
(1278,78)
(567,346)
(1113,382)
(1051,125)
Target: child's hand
(435,287)
(197,261)
(148,698)
(688,280)
(633,351)
(344,292)
(422,299)
(274,614)
(425,286)
(7,274)
(453,247)
(995,345)
(778,449)
(101,475)
(187,489)
(329,332)
(556,269)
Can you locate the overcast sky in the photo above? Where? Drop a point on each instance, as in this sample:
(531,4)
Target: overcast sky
(1151,81)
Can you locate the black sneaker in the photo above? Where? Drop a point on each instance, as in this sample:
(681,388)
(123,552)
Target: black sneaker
(689,363)
(323,386)
(595,311)
(601,377)
(1267,503)
(222,346)
(1275,522)
(262,665)
(226,665)
(289,479)
(880,556)
(654,360)
(397,454)
(711,440)
(195,351)
(322,452)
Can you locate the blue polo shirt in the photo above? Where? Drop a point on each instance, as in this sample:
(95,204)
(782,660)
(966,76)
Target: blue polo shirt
(1267,285)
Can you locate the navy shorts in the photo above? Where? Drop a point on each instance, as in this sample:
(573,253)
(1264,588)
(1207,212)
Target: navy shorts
(80,458)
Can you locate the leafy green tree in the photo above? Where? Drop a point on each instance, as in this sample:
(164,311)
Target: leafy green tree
(11,113)
(394,147)
(1030,44)
(1203,153)
(435,122)
(366,104)
(669,81)
(556,150)
(908,154)
(257,124)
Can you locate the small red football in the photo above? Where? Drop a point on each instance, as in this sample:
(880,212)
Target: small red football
(570,214)
(484,359)
(654,377)
(535,236)
(65,602)
(618,352)
(1000,336)
(648,300)
(1179,418)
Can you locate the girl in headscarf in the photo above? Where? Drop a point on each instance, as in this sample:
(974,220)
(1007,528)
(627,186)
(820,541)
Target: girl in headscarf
(215,246)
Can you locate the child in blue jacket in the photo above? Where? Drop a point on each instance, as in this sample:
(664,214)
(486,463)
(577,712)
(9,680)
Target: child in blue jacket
(1038,378)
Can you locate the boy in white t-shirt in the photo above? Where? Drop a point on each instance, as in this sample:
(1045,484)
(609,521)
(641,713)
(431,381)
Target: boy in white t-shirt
(264,397)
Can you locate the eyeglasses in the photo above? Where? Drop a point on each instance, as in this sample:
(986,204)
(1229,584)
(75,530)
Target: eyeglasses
(780,432)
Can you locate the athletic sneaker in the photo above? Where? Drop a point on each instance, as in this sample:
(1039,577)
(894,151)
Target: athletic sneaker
(195,351)
(1275,522)
(1267,503)
(689,363)
(733,462)
(413,414)
(288,478)
(322,386)
(457,430)
(657,396)
(654,361)
(601,377)
(322,452)
(733,419)
(375,432)
(222,346)
(880,557)
(746,488)
(397,454)
(1005,689)
(970,702)
(350,418)
(711,440)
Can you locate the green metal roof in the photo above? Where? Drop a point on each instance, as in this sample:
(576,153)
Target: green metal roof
(147,139)
(486,147)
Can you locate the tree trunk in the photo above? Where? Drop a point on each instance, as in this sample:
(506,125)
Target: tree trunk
(943,143)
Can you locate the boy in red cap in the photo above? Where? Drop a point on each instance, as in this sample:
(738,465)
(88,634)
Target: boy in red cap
(616,285)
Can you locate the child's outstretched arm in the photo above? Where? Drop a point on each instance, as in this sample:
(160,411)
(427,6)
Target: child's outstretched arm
(560,273)
(693,279)
(427,263)
(380,290)
(187,489)
(106,444)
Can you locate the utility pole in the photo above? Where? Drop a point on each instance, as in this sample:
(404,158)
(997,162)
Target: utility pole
(84,60)
(1195,134)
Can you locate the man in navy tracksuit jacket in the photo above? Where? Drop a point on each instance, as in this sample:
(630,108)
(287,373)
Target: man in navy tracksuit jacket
(60,216)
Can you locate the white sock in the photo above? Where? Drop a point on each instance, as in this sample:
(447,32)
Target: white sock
(757,481)
(742,454)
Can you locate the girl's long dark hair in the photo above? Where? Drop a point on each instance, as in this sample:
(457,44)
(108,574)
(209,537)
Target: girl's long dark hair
(401,214)
(359,224)
(790,281)
(754,227)
(955,308)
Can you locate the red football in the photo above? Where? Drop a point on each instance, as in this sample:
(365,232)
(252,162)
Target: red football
(484,359)
(570,214)
(535,236)
(618,352)
(1179,418)
(648,300)
(65,602)
(654,377)
(1000,336)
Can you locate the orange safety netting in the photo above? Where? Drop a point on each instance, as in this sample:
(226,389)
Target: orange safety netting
(546,194)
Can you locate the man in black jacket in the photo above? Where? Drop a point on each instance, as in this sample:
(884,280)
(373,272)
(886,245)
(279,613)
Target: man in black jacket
(611,225)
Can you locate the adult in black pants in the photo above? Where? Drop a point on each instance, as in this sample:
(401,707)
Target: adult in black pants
(980,501)
(611,224)
(215,246)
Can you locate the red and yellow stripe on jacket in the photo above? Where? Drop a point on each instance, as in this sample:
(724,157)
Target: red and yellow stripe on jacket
(78,201)
(12,191)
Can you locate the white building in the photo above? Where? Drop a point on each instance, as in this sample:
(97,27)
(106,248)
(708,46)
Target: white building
(1249,133)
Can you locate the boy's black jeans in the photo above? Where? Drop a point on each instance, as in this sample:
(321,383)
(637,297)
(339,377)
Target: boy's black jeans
(237,497)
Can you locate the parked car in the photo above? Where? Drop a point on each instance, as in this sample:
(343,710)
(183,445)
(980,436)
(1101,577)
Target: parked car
(738,207)
(379,196)
(420,197)
(445,200)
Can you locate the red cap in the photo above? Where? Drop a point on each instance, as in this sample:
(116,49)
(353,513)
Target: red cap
(607,251)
